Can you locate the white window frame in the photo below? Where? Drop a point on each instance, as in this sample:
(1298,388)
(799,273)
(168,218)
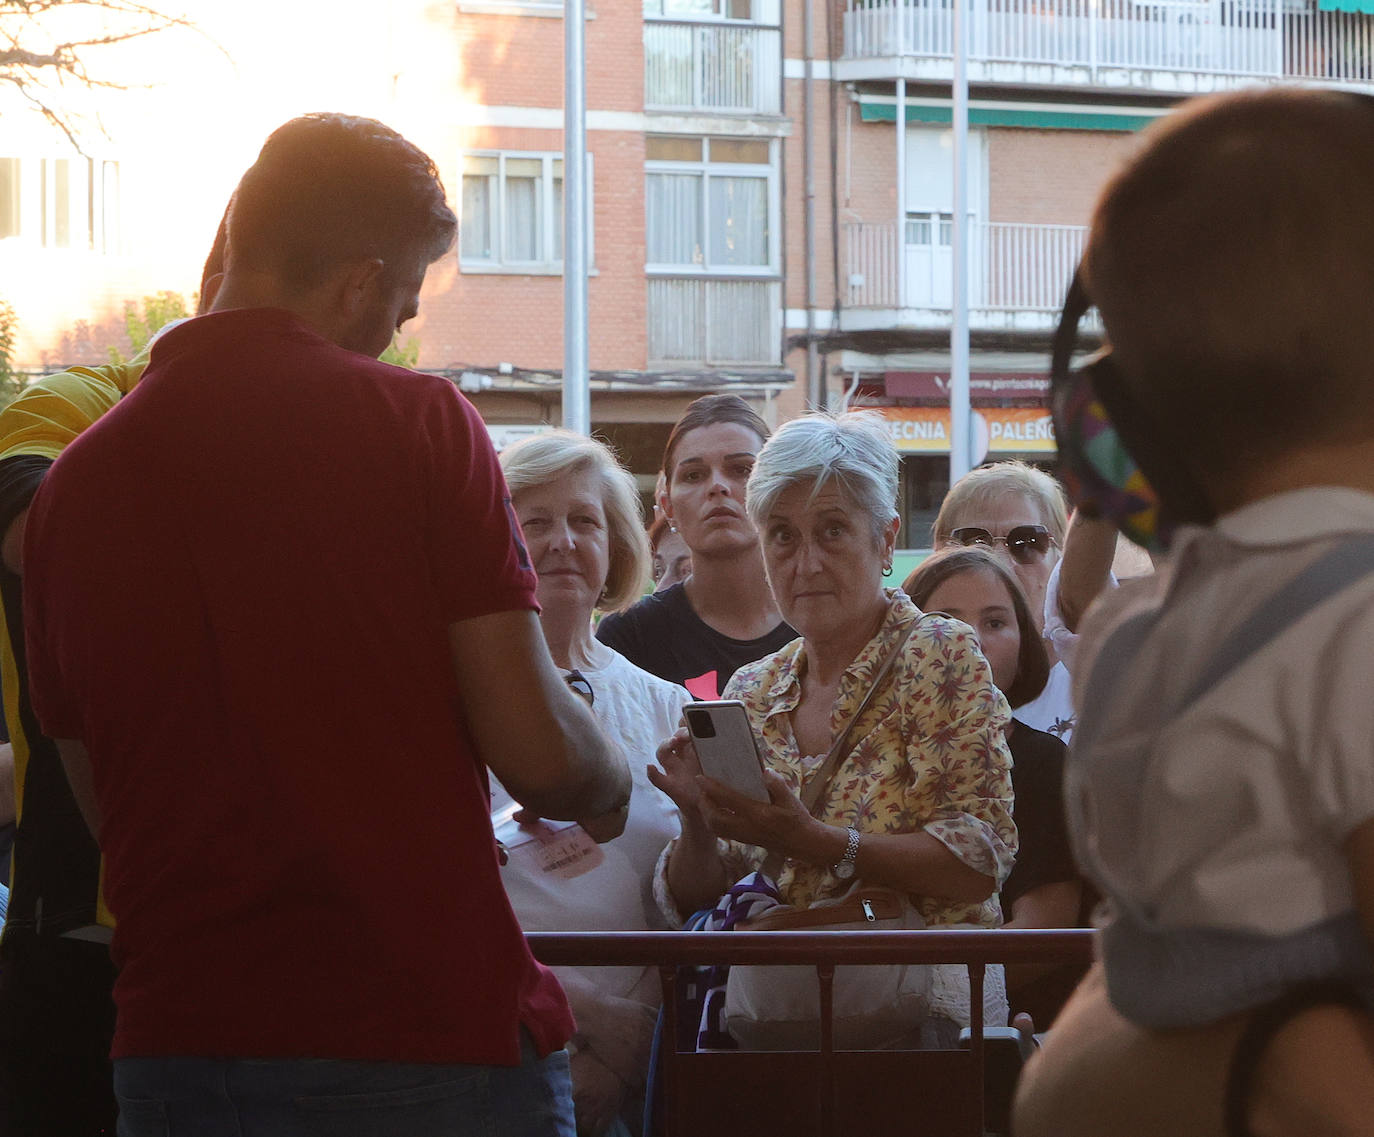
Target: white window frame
(759,14)
(708,169)
(92,203)
(547,264)
(553,8)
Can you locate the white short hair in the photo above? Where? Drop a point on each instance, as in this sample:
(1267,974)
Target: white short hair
(854,450)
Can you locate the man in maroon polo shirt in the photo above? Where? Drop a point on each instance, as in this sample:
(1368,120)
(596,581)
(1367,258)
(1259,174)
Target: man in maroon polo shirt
(280,620)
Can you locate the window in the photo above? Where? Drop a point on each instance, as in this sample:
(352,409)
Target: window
(61,203)
(9,197)
(710,204)
(513,211)
(710,9)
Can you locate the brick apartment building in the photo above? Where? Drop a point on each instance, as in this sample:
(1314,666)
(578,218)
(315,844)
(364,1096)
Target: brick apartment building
(699,199)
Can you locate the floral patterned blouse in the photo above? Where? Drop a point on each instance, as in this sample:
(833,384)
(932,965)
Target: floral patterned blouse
(930,755)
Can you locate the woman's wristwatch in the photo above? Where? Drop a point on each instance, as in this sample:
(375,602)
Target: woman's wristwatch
(845,869)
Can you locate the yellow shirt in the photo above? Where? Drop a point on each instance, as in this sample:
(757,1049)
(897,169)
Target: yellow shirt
(45,418)
(929,756)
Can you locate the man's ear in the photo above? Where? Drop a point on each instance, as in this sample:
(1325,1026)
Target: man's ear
(356,285)
(208,291)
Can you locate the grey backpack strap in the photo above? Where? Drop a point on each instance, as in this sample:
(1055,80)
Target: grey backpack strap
(1330,574)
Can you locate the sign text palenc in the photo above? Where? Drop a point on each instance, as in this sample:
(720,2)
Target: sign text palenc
(1008,430)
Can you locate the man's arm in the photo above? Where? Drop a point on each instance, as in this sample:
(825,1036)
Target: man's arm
(533,733)
(1089,547)
(77,763)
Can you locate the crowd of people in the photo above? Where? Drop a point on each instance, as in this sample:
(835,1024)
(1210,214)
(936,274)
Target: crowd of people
(317,703)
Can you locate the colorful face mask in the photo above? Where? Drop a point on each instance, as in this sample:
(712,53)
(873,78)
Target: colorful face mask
(1107,443)
(1102,478)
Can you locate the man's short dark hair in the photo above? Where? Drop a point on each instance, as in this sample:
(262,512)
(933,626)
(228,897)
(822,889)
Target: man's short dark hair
(331,189)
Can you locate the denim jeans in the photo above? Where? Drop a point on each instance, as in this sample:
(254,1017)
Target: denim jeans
(206,1097)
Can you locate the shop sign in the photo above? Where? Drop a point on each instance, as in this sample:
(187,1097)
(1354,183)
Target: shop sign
(981,385)
(996,430)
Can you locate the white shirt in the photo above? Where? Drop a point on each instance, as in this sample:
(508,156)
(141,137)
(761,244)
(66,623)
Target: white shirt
(1052,709)
(565,883)
(1238,817)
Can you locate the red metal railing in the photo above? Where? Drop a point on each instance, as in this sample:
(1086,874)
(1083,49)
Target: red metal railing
(828,1093)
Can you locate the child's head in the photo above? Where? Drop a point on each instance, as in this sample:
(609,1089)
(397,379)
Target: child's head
(972,585)
(1233,263)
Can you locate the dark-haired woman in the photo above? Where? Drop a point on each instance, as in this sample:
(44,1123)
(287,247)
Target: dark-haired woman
(722,616)
(1044,889)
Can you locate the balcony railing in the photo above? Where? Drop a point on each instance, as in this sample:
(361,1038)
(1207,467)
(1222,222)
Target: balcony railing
(714,322)
(714,68)
(1014,269)
(1123,42)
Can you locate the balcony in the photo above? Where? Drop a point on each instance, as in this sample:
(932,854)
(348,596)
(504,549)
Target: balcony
(1018,274)
(1176,46)
(712,68)
(697,322)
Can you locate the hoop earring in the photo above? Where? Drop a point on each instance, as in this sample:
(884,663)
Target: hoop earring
(887,570)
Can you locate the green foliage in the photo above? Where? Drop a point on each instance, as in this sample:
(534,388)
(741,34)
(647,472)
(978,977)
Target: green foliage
(11,382)
(142,323)
(402,354)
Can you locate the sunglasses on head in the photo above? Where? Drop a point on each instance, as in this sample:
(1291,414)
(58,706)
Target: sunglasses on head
(1026,543)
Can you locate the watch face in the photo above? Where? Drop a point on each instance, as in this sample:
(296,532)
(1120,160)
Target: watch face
(844,870)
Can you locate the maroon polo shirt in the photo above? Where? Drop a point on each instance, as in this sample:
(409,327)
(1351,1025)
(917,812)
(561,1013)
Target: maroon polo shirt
(237,592)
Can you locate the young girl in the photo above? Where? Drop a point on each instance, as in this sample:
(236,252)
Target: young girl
(1044,889)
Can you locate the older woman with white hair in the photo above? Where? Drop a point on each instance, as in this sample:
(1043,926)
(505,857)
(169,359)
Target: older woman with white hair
(921,798)
(583,529)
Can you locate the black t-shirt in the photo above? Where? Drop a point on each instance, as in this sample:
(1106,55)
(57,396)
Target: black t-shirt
(1037,779)
(664,635)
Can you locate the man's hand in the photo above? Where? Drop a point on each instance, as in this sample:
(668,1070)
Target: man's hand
(597,1093)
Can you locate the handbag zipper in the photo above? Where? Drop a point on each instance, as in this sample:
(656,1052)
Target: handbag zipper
(867,906)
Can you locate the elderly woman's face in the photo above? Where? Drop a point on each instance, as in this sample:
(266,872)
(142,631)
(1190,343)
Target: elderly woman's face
(824,561)
(568,540)
(1032,569)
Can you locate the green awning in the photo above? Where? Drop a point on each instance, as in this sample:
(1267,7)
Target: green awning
(1032,118)
(1365,6)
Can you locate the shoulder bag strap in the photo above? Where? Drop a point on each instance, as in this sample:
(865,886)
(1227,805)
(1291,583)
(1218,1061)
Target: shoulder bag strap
(813,796)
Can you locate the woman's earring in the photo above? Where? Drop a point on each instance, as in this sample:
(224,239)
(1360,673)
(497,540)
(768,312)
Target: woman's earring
(887,570)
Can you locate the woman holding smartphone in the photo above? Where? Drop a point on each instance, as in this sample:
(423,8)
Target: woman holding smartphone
(921,801)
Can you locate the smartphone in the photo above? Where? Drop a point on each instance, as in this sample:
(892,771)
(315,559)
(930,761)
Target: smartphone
(726,746)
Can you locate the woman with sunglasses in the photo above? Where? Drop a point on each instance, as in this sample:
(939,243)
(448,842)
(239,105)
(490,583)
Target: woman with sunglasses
(1020,514)
(580,514)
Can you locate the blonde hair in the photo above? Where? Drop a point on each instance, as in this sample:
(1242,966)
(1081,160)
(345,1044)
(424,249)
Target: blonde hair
(545,458)
(983,489)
